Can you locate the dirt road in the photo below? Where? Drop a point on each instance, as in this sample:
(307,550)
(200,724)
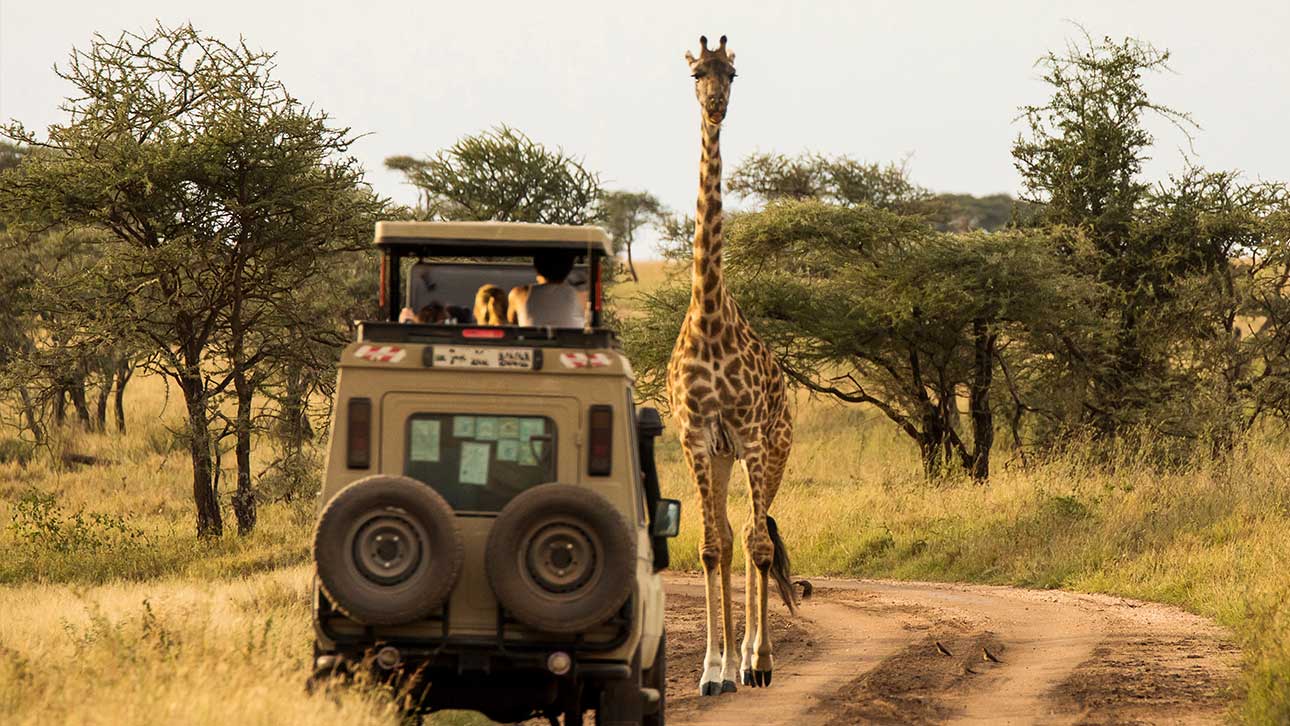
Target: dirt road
(892,652)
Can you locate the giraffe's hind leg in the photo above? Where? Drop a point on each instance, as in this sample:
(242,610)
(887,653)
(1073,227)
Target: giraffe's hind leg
(765,464)
(711,476)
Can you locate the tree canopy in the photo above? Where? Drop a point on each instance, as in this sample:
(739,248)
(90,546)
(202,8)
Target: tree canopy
(502,175)
(212,200)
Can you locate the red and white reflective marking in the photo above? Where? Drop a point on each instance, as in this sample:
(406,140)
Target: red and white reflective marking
(381,353)
(582,360)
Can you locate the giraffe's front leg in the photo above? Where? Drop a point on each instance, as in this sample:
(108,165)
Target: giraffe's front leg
(728,666)
(710,683)
(710,554)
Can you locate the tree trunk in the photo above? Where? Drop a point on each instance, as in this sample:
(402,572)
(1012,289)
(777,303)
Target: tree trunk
(77,392)
(29,412)
(631,267)
(979,400)
(101,403)
(934,444)
(123,373)
(210,523)
(60,406)
(295,427)
(244,497)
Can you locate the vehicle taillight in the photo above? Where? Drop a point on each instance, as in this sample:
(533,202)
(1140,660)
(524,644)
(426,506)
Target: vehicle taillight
(358,440)
(483,333)
(600,453)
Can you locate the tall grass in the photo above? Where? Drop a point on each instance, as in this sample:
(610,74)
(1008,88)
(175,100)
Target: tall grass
(189,651)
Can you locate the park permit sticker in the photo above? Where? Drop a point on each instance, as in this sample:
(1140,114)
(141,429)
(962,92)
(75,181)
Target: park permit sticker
(453,356)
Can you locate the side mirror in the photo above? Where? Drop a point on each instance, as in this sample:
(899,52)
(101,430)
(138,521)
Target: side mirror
(648,423)
(667,518)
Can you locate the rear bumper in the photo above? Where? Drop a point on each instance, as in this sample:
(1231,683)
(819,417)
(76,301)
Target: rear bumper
(509,670)
(506,686)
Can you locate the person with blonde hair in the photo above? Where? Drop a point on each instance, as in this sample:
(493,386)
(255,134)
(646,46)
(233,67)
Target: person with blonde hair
(490,306)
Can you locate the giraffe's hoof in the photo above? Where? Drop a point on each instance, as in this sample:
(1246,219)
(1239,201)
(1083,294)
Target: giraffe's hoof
(761,679)
(711,688)
(747,677)
(728,687)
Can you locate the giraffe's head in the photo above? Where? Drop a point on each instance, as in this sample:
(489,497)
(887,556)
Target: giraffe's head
(713,71)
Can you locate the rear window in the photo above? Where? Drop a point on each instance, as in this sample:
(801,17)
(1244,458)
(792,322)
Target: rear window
(479,463)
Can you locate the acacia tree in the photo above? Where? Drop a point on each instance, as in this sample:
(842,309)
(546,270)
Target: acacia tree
(1081,163)
(624,213)
(505,176)
(873,307)
(209,190)
(838,180)
(841,180)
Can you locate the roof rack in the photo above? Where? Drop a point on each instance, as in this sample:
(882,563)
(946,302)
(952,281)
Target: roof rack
(489,238)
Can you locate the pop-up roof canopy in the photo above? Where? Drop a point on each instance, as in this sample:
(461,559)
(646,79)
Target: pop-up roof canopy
(488,238)
(399,240)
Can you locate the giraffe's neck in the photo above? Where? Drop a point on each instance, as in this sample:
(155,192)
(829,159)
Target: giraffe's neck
(707,281)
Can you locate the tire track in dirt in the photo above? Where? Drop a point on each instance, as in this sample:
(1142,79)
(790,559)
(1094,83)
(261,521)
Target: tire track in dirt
(867,652)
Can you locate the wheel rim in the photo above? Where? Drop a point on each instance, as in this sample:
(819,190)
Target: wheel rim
(560,558)
(388,547)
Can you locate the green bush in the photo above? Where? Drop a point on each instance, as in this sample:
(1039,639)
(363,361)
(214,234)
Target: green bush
(40,526)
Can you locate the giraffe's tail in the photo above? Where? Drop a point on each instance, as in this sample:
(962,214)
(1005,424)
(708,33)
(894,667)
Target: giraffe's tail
(781,569)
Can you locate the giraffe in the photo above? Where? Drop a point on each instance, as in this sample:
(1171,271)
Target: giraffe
(727,394)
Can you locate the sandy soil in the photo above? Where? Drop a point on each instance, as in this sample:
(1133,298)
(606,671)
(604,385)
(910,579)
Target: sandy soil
(867,652)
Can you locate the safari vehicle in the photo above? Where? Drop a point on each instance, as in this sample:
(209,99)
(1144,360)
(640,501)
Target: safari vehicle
(490,533)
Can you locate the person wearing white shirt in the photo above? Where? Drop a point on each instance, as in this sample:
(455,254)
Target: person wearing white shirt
(552,302)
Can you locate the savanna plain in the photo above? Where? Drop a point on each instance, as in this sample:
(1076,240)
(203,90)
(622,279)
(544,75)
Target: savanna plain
(114,613)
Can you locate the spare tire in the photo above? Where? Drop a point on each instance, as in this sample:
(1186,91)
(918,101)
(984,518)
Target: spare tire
(387,550)
(561,559)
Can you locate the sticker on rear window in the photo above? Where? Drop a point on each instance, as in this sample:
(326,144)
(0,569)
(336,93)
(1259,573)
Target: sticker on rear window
(508,428)
(423,440)
(474,463)
(530,453)
(531,427)
(486,428)
(463,427)
(508,450)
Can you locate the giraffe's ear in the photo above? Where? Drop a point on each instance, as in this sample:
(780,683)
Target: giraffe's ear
(689,57)
(730,57)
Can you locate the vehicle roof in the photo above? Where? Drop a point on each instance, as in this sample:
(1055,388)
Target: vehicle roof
(483,238)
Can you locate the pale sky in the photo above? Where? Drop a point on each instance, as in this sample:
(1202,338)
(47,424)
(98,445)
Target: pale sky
(939,83)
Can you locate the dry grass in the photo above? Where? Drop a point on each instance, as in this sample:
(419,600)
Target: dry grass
(651,274)
(175,651)
(141,624)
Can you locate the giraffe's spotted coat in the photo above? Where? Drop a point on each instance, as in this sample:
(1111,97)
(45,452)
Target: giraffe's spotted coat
(728,395)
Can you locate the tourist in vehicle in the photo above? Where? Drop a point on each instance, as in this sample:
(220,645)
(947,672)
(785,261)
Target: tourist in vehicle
(490,306)
(436,313)
(552,302)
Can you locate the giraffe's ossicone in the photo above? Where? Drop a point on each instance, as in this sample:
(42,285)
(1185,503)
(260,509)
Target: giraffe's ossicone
(729,401)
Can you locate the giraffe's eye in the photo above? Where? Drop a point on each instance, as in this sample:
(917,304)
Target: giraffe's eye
(732,75)
(699,76)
